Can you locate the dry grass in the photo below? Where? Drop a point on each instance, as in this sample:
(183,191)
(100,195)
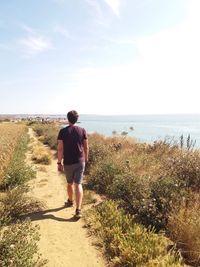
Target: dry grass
(41,155)
(41,169)
(17,239)
(89,197)
(184,229)
(10,134)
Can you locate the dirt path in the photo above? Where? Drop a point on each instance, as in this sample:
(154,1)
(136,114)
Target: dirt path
(64,241)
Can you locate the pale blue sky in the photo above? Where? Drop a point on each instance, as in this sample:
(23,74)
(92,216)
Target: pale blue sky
(100,56)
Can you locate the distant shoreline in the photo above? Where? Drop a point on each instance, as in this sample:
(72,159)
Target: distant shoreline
(146,128)
(25,115)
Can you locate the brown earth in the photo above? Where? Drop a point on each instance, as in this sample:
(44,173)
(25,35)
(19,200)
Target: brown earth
(64,241)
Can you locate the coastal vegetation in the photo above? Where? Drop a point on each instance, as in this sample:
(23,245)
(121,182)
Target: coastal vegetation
(47,134)
(127,243)
(152,187)
(150,208)
(157,184)
(18,238)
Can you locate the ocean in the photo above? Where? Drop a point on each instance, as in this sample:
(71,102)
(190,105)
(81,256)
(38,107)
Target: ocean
(145,128)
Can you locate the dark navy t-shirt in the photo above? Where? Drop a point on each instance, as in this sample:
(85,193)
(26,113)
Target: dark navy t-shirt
(73,137)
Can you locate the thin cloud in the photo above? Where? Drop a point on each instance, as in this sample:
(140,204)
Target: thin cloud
(34,42)
(61,30)
(100,10)
(28,29)
(35,45)
(114,5)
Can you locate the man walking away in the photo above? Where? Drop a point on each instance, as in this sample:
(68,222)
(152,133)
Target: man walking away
(72,156)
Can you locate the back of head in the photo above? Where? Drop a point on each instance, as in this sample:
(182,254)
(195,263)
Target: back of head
(72,116)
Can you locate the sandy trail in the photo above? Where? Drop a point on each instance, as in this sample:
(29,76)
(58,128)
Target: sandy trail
(64,241)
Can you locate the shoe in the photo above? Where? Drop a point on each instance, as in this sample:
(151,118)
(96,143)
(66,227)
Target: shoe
(68,203)
(78,214)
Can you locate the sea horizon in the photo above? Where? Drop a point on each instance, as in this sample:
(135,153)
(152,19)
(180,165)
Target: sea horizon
(95,114)
(146,128)
(143,127)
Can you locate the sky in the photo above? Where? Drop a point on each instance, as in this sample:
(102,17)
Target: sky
(99,56)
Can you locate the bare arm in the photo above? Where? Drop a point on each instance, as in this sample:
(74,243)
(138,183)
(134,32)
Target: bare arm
(86,149)
(60,151)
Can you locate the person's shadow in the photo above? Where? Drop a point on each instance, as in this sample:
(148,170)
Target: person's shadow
(41,215)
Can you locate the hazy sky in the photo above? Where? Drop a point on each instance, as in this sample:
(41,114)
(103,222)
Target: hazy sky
(100,56)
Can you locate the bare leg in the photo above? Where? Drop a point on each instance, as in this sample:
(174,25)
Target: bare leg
(70,191)
(79,195)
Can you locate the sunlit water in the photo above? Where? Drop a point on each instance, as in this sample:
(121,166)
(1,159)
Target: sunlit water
(147,128)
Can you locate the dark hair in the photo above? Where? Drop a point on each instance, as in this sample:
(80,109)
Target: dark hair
(72,116)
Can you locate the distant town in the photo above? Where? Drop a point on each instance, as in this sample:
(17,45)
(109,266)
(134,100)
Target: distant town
(43,118)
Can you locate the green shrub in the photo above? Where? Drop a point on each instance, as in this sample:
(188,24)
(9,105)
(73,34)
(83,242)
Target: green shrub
(49,134)
(50,139)
(98,150)
(102,176)
(150,202)
(127,243)
(40,129)
(15,203)
(18,246)
(184,166)
(17,174)
(134,195)
(167,192)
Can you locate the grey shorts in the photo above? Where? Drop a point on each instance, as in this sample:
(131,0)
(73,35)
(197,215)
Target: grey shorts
(74,172)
